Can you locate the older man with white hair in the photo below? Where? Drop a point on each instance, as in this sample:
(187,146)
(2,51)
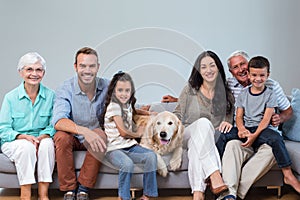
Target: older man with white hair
(248,164)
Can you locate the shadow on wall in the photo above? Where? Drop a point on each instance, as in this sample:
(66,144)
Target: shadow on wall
(159,60)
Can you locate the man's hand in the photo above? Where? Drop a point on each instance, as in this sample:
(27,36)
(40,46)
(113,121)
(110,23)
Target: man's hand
(93,138)
(284,115)
(275,120)
(168,98)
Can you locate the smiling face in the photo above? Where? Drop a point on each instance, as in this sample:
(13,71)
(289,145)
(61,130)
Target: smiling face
(258,77)
(239,69)
(123,91)
(208,69)
(32,74)
(165,127)
(86,67)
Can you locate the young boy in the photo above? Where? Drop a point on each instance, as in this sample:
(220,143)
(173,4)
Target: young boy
(255,106)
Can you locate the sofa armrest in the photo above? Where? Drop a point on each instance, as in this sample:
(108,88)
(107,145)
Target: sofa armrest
(159,107)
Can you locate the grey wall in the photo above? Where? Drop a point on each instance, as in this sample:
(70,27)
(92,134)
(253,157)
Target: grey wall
(156,41)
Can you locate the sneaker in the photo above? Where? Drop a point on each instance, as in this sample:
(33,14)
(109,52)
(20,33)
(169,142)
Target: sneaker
(229,197)
(69,196)
(82,196)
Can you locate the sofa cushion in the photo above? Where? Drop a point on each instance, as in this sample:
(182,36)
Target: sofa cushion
(291,128)
(6,165)
(160,107)
(294,152)
(106,167)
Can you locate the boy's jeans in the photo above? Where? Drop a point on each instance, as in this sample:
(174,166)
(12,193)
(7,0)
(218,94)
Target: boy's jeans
(267,136)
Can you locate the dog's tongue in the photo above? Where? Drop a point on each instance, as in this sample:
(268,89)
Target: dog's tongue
(164,141)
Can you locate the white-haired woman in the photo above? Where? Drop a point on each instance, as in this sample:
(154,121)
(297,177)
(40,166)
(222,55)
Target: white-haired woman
(25,129)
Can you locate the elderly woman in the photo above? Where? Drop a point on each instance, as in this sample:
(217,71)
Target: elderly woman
(25,130)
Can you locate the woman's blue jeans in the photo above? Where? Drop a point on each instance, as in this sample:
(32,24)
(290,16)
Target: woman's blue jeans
(125,159)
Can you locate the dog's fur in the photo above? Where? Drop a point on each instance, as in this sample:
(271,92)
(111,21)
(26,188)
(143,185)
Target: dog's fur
(164,135)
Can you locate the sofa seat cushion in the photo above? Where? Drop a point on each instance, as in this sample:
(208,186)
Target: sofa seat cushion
(294,152)
(6,165)
(107,168)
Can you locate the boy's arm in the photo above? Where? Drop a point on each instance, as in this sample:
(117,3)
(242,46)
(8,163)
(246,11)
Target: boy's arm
(262,125)
(240,123)
(265,121)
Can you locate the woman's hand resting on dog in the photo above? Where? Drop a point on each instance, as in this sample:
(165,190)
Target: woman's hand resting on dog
(224,127)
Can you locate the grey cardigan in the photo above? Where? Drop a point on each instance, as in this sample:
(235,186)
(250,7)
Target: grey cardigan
(193,105)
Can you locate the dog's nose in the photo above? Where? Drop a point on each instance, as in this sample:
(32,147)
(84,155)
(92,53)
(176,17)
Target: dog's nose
(163,134)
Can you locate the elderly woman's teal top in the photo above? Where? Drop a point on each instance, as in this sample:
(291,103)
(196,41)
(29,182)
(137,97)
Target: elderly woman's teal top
(19,116)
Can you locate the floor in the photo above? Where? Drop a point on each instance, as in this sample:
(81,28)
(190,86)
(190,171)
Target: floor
(254,194)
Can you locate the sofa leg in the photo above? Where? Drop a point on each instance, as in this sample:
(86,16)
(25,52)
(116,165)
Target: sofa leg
(133,193)
(278,190)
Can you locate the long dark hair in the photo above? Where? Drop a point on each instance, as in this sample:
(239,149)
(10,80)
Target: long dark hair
(221,90)
(111,97)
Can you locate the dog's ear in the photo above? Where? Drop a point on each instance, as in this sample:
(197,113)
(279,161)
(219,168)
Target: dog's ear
(149,129)
(180,128)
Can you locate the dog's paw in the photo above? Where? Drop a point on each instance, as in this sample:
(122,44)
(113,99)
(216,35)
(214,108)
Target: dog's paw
(175,165)
(159,151)
(163,172)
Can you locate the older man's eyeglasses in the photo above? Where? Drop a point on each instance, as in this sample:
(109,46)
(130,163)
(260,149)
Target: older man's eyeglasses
(30,70)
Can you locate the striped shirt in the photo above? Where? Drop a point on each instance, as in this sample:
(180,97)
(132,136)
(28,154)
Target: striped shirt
(71,103)
(114,139)
(282,100)
(254,105)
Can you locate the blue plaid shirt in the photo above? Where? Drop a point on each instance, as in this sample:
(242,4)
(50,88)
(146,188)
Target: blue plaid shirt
(73,104)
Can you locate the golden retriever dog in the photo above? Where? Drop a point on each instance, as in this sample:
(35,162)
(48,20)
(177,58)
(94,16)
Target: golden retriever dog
(164,135)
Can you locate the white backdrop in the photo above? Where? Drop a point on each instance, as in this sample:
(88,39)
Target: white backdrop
(156,41)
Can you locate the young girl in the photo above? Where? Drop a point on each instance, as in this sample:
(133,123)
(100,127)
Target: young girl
(123,151)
